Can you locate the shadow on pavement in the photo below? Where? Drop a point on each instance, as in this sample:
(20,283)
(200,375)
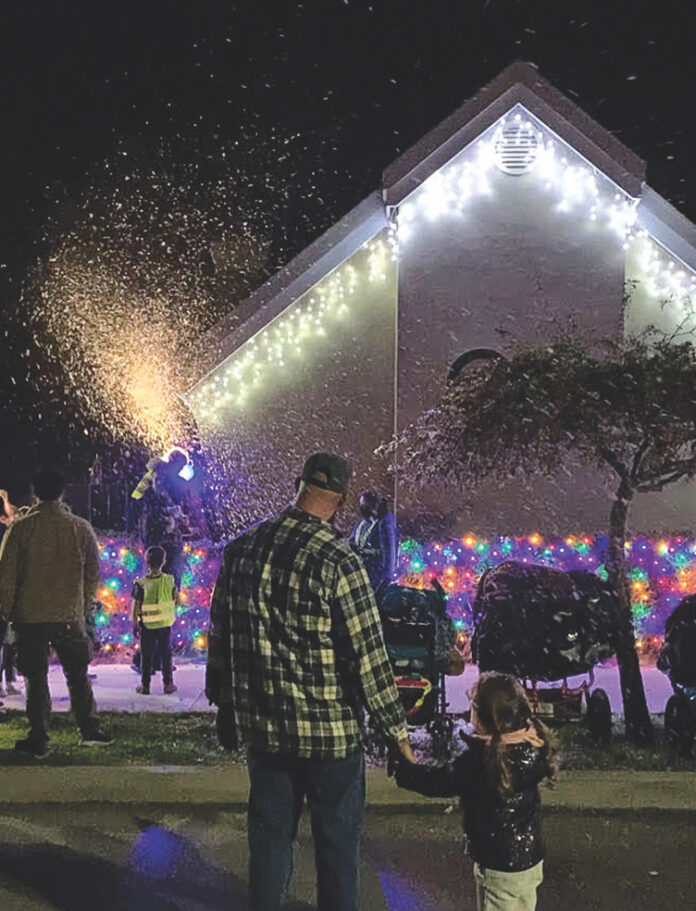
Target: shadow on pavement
(165,872)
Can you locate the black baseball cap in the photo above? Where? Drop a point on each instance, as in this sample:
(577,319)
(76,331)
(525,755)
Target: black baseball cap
(327,471)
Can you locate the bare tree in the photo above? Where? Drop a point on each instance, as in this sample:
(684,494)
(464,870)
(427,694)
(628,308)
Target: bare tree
(628,408)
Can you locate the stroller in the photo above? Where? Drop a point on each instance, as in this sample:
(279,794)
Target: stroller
(677,659)
(540,624)
(422,643)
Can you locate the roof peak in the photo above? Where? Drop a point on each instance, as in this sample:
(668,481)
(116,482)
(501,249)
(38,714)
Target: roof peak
(519,83)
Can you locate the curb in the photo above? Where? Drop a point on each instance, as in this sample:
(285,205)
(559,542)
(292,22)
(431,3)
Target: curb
(228,785)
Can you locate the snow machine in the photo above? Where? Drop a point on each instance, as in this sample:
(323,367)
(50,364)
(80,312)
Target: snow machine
(543,625)
(677,659)
(423,645)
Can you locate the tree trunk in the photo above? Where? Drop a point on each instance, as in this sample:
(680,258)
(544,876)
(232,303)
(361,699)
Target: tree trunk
(636,716)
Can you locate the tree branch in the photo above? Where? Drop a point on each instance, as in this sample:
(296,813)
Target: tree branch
(613,460)
(638,457)
(660,484)
(668,473)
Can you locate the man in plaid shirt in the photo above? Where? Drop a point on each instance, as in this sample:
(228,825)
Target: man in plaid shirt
(295,652)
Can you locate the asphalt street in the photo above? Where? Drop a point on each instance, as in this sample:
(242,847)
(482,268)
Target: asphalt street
(178,857)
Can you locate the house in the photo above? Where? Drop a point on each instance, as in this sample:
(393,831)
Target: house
(516,216)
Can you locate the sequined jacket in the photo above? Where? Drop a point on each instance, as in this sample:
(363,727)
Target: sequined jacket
(500,834)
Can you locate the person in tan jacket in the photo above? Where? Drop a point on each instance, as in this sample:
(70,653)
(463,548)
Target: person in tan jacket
(49,572)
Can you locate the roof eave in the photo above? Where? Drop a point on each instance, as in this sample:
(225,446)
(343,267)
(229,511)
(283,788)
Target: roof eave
(520,83)
(668,226)
(293,280)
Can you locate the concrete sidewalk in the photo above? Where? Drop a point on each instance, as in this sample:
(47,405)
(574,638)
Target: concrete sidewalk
(114,689)
(228,785)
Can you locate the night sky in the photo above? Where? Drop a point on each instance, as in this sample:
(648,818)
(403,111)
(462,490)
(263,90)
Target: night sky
(268,120)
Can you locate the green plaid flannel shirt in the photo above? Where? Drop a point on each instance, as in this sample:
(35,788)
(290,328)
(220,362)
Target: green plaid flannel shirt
(295,645)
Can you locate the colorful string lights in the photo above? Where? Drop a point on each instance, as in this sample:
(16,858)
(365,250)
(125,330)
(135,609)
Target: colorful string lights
(662,572)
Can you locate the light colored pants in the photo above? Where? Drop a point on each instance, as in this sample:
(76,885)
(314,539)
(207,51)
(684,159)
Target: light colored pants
(499,891)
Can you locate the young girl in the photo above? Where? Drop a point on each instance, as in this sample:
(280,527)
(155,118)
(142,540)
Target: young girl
(497,780)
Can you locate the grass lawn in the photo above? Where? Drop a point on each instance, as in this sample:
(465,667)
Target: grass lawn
(152,738)
(145,738)
(577,751)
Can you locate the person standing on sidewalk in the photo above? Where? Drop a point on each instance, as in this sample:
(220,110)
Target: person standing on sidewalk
(295,653)
(154,611)
(49,572)
(15,502)
(375,537)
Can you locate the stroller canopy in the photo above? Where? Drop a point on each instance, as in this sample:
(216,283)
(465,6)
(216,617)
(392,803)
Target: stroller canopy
(677,658)
(537,622)
(412,607)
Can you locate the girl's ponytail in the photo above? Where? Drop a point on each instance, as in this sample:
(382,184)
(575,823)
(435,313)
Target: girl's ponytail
(501,708)
(497,766)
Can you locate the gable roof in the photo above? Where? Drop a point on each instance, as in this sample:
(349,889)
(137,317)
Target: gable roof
(520,83)
(668,226)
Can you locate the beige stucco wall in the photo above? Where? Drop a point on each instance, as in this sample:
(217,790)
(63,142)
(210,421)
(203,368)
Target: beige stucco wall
(666,308)
(337,394)
(510,267)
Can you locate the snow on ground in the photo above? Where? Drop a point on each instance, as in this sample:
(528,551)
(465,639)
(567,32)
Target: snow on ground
(657,687)
(114,689)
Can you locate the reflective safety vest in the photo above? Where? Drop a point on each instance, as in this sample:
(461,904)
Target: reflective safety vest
(158,601)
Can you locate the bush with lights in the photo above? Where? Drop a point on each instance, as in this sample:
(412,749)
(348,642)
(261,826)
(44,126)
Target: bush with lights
(121,564)
(662,572)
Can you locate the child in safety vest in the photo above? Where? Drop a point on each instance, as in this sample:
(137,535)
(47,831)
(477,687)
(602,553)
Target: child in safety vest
(154,599)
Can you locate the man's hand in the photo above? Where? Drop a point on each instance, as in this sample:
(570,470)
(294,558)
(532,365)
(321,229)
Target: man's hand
(136,630)
(225,726)
(399,751)
(406,751)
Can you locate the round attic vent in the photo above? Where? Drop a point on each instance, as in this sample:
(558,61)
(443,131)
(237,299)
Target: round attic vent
(516,147)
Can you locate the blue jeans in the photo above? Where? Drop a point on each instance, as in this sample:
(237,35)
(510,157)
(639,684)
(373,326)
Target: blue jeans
(335,793)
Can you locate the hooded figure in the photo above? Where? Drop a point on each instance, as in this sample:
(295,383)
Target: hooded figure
(162,519)
(375,538)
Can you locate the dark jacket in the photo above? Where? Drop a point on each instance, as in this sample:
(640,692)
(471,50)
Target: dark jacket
(377,542)
(501,834)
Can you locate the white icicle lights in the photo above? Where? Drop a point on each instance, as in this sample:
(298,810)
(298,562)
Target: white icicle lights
(291,335)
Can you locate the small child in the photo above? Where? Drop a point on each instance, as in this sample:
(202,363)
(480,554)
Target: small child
(497,780)
(154,599)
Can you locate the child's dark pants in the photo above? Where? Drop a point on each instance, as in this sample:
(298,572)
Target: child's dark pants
(153,642)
